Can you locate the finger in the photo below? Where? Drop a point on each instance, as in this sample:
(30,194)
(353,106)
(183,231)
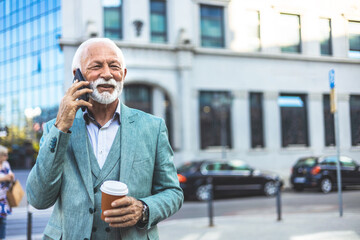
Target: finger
(81,103)
(124,201)
(76,85)
(83,91)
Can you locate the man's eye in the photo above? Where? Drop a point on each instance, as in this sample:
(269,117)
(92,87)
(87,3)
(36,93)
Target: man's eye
(115,66)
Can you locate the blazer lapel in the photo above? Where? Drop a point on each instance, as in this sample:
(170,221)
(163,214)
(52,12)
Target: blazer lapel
(81,152)
(128,141)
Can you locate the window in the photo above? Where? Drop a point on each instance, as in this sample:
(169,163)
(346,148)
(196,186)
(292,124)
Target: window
(215,124)
(139,97)
(212,26)
(325,36)
(290,33)
(113,19)
(158,21)
(256,120)
(328,122)
(355,119)
(253,30)
(294,128)
(354,39)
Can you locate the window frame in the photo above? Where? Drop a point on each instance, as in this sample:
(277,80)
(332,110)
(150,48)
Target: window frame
(222,25)
(152,32)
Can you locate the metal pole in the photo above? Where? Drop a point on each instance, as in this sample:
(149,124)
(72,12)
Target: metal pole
(338,166)
(29,222)
(278,200)
(223,134)
(210,201)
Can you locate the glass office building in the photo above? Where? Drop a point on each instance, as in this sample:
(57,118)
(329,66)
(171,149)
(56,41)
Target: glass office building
(31,67)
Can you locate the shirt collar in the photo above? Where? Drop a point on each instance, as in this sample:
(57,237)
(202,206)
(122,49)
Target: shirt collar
(88,116)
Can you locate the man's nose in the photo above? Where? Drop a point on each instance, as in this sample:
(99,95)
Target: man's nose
(106,73)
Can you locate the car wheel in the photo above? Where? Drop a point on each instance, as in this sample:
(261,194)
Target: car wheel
(202,193)
(270,188)
(326,185)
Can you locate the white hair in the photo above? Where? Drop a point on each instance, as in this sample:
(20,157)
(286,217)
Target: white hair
(3,150)
(76,63)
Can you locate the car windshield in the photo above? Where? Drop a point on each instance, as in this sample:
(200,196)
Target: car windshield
(306,162)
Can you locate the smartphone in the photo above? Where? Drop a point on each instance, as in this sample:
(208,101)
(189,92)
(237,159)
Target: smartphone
(80,77)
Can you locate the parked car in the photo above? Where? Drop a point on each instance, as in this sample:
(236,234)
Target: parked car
(233,177)
(320,172)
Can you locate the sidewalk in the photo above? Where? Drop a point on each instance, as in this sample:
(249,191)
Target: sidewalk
(305,226)
(313,226)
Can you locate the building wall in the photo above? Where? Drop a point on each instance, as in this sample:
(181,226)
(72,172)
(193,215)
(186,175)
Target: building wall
(183,70)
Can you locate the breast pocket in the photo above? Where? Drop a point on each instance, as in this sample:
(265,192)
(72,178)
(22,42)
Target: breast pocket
(141,176)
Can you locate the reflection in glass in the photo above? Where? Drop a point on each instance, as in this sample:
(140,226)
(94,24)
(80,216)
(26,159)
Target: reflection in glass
(325,36)
(212,26)
(294,127)
(290,34)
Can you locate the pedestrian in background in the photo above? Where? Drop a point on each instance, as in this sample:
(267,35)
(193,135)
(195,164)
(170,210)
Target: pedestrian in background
(6,177)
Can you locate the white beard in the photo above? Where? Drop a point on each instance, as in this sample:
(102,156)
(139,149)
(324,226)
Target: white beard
(106,97)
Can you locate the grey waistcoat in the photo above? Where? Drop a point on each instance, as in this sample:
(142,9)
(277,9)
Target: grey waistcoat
(110,171)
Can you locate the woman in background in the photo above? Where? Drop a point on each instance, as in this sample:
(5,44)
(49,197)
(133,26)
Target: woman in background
(6,177)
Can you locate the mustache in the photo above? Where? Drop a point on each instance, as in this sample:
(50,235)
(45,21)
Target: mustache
(101,81)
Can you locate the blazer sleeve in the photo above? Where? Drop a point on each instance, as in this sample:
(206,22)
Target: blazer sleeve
(44,181)
(167,196)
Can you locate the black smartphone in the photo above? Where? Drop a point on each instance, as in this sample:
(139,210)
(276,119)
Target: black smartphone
(80,77)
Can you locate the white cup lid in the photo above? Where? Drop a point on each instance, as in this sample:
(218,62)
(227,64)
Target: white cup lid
(115,188)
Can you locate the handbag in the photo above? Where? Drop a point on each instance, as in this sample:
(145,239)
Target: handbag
(15,194)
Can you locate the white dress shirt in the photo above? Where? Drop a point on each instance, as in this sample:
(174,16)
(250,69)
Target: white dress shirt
(102,137)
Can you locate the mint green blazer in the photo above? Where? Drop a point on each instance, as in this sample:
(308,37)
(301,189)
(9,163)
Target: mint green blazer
(62,176)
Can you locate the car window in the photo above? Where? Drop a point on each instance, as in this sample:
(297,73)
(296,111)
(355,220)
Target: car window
(330,160)
(213,166)
(239,165)
(347,162)
(306,162)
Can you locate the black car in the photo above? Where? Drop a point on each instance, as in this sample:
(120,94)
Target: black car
(233,177)
(320,172)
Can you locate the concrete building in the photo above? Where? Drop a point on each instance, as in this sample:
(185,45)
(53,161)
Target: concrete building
(232,78)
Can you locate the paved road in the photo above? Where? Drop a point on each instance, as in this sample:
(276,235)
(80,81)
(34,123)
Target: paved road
(306,216)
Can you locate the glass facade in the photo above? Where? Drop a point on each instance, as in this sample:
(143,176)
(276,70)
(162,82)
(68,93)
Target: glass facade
(325,36)
(31,67)
(158,21)
(113,22)
(290,33)
(212,26)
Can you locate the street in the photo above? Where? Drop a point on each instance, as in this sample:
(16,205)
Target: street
(302,208)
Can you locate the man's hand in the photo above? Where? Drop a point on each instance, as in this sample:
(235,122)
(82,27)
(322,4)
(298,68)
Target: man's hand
(126,213)
(69,105)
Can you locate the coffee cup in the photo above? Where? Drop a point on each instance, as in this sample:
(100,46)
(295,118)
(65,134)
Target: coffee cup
(110,191)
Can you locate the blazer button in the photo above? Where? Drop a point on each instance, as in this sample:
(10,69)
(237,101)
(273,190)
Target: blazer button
(91,210)
(95,190)
(86,239)
(107,229)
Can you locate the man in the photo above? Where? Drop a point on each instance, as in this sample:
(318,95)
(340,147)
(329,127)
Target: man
(108,141)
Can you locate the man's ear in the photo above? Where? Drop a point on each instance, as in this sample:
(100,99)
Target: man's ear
(125,72)
(74,72)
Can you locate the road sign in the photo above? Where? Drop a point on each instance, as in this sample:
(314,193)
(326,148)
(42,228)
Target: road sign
(332,78)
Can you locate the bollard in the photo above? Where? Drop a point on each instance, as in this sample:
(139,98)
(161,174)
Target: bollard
(29,221)
(210,201)
(278,200)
